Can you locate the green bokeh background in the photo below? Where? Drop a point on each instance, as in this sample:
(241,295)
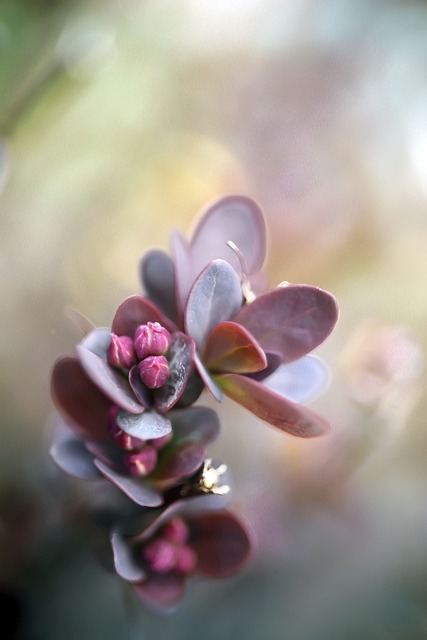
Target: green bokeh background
(119,120)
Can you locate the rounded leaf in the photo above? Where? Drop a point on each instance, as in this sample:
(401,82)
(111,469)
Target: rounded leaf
(291,320)
(215,296)
(180,359)
(158,279)
(76,396)
(180,461)
(230,348)
(221,543)
(299,381)
(195,424)
(160,593)
(272,407)
(137,310)
(124,560)
(236,218)
(92,355)
(205,376)
(70,453)
(146,426)
(137,489)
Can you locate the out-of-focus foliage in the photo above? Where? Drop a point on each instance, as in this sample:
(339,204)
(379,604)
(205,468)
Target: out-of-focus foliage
(118,121)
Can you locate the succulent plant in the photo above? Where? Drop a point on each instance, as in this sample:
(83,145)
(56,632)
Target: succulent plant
(179,542)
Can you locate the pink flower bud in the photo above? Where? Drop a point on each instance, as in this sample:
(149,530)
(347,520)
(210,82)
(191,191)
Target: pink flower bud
(121,352)
(151,339)
(123,439)
(176,530)
(142,462)
(186,560)
(160,555)
(154,371)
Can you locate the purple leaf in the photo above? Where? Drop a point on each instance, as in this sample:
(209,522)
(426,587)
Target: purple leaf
(146,426)
(235,218)
(137,310)
(158,280)
(195,424)
(272,407)
(70,453)
(136,489)
(161,592)
(208,381)
(299,381)
(291,320)
(180,461)
(180,358)
(92,355)
(215,296)
(141,392)
(274,360)
(107,452)
(221,543)
(124,560)
(192,391)
(230,348)
(82,402)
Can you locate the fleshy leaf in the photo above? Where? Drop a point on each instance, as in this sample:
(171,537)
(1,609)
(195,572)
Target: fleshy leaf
(207,379)
(299,381)
(158,280)
(272,407)
(92,355)
(107,452)
(230,348)
(180,461)
(124,560)
(70,453)
(215,296)
(161,593)
(180,358)
(136,489)
(291,320)
(192,391)
(137,310)
(235,218)
(82,402)
(221,543)
(141,392)
(146,426)
(274,360)
(195,424)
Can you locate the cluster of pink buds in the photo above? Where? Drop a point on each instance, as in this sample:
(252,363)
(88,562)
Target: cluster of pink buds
(146,349)
(169,550)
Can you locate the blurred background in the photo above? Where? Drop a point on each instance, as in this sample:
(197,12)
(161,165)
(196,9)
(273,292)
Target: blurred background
(119,120)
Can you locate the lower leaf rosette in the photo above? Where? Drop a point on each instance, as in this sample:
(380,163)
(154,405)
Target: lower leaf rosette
(171,546)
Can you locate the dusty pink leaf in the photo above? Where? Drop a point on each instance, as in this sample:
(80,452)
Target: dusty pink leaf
(230,348)
(291,320)
(137,310)
(272,407)
(76,396)
(221,543)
